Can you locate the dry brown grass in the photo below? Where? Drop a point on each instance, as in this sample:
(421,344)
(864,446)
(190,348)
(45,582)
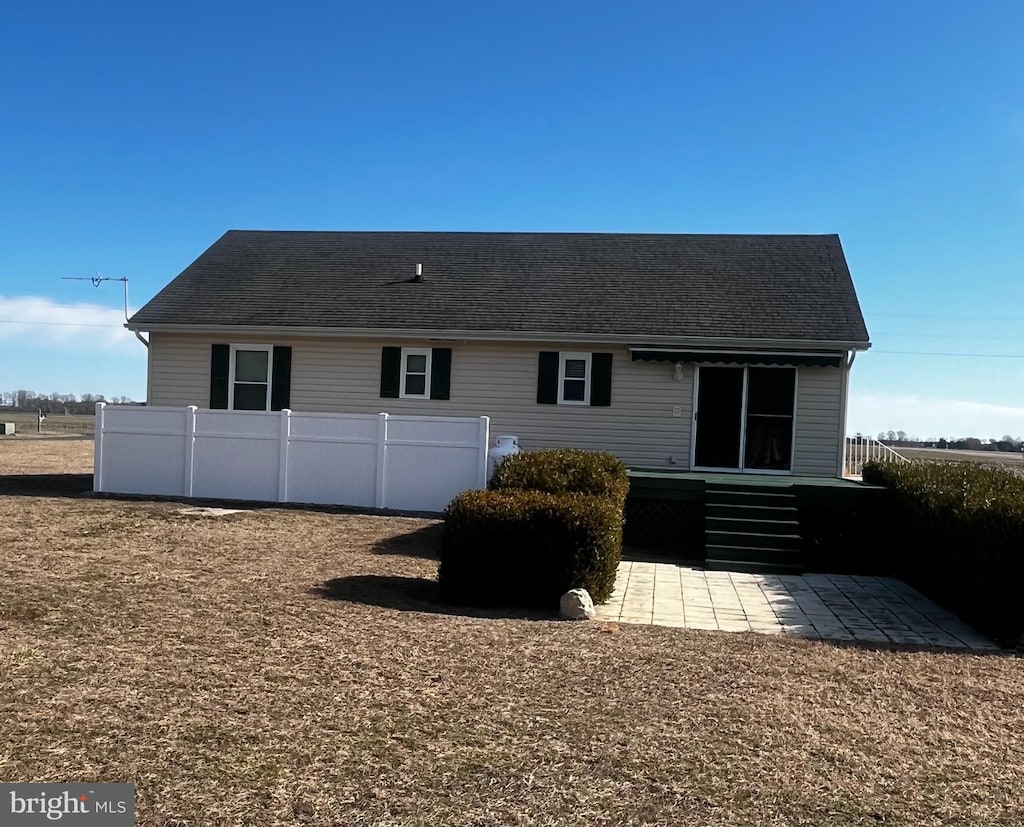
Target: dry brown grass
(31,454)
(292,667)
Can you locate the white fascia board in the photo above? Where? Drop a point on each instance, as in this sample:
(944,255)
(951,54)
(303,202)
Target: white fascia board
(639,340)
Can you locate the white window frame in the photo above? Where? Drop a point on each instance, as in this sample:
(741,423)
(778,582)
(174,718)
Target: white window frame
(231,372)
(563,357)
(414,351)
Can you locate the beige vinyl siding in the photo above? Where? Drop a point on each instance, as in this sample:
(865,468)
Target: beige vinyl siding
(818,418)
(179,370)
(499,380)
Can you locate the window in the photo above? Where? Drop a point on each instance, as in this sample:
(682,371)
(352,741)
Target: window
(249,380)
(415,373)
(566,378)
(574,379)
(239,377)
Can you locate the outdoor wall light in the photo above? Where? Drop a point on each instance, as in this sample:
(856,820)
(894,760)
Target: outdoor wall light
(678,375)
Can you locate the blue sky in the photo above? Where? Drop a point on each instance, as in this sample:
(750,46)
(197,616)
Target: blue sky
(133,135)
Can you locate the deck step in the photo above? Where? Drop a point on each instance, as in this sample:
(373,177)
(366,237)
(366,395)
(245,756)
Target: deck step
(768,523)
(753,554)
(740,497)
(752,512)
(753,539)
(751,487)
(752,528)
(752,568)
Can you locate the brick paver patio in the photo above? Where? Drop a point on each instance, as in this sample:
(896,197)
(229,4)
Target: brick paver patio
(820,606)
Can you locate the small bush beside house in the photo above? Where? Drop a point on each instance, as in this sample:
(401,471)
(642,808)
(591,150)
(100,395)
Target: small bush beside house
(563,470)
(958,535)
(551,522)
(527,548)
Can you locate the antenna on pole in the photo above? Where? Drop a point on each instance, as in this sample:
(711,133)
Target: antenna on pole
(97,280)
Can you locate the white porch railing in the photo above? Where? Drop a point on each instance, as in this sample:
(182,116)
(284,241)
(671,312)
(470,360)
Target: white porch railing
(859,450)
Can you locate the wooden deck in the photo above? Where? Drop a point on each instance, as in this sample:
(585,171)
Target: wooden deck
(656,478)
(748,522)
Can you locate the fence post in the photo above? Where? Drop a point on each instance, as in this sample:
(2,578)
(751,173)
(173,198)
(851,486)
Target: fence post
(97,448)
(382,453)
(485,444)
(286,436)
(190,447)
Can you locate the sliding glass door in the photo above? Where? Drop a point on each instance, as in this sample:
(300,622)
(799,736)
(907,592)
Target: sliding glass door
(744,418)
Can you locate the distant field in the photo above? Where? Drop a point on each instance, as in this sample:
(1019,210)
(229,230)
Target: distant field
(990,459)
(25,423)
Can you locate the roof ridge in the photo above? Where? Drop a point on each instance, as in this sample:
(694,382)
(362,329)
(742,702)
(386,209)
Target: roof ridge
(613,234)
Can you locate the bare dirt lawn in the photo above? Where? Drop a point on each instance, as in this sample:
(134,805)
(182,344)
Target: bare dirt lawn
(294,667)
(46,454)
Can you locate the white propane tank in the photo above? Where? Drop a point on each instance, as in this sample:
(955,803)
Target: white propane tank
(507,445)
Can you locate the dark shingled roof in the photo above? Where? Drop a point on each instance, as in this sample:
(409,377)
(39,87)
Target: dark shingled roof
(789,287)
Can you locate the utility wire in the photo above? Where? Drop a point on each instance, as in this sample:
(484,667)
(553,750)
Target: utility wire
(950,336)
(945,316)
(936,353)
(59,324)
(872,351)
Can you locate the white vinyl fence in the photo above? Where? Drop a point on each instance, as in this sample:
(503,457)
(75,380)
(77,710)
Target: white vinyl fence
(407,463)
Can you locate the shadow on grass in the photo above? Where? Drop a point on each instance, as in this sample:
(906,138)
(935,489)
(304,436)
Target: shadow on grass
(45,485)
(412,594)
(423,542)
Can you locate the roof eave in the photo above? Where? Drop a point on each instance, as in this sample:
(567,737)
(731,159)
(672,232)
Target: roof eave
(635,339)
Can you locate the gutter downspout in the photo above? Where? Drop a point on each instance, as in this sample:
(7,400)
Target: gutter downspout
(844,396)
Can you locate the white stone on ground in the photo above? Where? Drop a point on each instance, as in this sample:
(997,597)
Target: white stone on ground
(577,605)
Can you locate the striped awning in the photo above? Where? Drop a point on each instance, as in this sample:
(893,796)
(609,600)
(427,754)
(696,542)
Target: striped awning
(721,357)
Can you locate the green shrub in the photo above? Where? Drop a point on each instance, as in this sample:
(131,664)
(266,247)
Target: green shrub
(839,529)
(563,470)
(958,535)
(527,548)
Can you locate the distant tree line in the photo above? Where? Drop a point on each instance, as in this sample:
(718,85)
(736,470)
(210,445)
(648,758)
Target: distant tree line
(899,439)
(55,403)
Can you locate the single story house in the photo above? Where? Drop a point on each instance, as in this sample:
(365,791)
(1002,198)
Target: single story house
(675,352)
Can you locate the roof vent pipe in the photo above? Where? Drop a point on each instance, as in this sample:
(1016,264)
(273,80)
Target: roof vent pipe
(419,273)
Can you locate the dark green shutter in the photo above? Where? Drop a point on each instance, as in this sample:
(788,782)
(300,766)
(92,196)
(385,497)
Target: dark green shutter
(220,358)
(440,372)
(390,372)
(601,380)
(281,381)
(547,378)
